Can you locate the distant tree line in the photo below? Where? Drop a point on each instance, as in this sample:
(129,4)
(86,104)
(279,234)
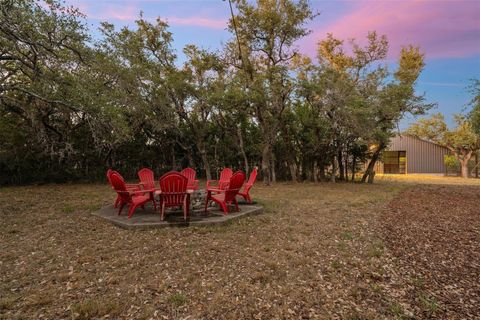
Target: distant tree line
(72,105)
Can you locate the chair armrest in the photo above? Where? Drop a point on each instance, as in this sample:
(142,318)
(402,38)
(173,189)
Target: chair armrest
(134,186)
(217,190)
(194,185)
(209,182)
(166,194)
(136,192)
(174,193)
(144,183)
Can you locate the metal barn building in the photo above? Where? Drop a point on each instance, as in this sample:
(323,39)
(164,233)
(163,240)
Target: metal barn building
(407,154)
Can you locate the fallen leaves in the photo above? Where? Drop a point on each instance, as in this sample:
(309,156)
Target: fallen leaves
(319,251)
(432,232)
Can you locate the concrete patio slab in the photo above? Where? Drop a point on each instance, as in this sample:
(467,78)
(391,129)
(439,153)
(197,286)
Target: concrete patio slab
(149,218)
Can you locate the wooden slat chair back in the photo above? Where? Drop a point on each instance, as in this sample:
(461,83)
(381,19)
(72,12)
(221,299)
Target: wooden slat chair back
(224,180)
(235,183)
(173,186)
(147,177)
(129,186)
(119,185)
(190,174)
(133,198)
(245,192)
(227,196)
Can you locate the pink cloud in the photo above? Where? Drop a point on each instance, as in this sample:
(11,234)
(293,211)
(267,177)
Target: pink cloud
(128,13)
(198,21)
(441,28)
(132,13)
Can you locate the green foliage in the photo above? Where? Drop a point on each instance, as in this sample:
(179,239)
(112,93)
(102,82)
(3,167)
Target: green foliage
(461,138)
(362,102)
(396,310)
(91,308)
(475,104)
(429,303)
(451,162)
(68,209)
(265,33)
(177,299)
(72,106)
(430,129)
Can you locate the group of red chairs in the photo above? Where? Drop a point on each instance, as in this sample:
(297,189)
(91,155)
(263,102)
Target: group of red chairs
(224,191)
(175,189)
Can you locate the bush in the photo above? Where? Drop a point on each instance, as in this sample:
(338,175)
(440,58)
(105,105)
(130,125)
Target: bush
(451,162)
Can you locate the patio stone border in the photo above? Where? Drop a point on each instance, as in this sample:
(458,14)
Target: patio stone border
(150,219)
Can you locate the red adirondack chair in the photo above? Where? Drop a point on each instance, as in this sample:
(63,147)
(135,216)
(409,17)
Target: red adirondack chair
(133,198)
(173,186)
(227,196)
(190,174)
(221,183)
(132,187)
(147,180)
(245,192)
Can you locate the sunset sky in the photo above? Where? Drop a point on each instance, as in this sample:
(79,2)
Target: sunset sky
(447,31)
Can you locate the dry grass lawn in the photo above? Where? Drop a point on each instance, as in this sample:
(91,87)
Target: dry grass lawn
(318,251)
(426,179)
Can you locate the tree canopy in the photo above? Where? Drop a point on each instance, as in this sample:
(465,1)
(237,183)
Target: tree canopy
(475,104)
(72,105)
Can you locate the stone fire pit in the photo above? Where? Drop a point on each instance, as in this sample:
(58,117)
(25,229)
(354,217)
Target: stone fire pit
(149,218)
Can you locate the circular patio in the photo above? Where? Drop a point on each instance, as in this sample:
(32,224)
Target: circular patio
(149,218)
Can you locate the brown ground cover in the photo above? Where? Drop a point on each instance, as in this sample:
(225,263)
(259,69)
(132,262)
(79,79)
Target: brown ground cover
(433,233)
(316,252)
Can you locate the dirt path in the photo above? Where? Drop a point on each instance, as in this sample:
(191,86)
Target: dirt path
(433,234)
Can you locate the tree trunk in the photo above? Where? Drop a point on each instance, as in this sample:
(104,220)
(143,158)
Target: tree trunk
(242,150)
(476,165)
(266,163)
(369,172)
(216,162)
(354,167)
(293,171)
(174,159)
(321,171)
(464,157)
(315,171)
(206,164)
(340,166)
(302,171)
(345,159)
(464,168)
(272,166)
(371,177)
(334,169)
(191,163)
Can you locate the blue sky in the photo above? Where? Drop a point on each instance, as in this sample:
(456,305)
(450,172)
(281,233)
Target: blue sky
(448,32)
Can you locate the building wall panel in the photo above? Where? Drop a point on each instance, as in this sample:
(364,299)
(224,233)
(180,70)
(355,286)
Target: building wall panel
(422,156)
